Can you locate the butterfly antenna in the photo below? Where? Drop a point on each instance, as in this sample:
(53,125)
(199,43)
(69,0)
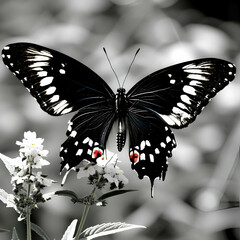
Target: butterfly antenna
(111,66)
(130,66)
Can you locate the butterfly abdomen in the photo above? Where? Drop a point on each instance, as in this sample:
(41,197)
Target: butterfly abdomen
(121,135)
(120,108)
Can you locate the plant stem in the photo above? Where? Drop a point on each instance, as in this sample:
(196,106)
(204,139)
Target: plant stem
(28,215)
(83,219)
(29,235)
(84,216)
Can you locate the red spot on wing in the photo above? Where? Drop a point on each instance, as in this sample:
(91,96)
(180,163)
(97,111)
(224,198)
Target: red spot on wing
(97,153)
(134,157)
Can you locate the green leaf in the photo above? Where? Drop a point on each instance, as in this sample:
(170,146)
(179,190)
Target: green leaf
(14,234)
(68,193)
(70,230)
(113,193)
(39,231)
(106,229)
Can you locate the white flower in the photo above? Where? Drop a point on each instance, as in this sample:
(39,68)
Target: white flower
(31,145)
(87,170)
(104,172)
(43,180)
(31,148)
(107,158)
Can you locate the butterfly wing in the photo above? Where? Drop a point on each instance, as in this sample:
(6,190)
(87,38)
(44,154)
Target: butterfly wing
(151,143)
(173,97)
(61,85)
(87,134)
(180,92)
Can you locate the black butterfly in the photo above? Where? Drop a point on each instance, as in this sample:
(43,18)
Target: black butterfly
(171,97)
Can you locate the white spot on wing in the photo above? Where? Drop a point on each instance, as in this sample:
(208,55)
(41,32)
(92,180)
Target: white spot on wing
(42,74)
(177,111)
(157,151)
(73,134)
(36,58)
(181,105)
(189,90)
(163,145)
(148,143)
(60,106)
(86,140)
(46,81)
(67,110)
(38,64)
(142,145)
(151,158)
(195,71)
(90,142)
(168,120)
(195,83)
(54,98)
(79,152)
(185,99)
(62,71)
(34,51)
(70,126)
(89,152)
(168,139)
(6,48)
(197,77)
(50,90)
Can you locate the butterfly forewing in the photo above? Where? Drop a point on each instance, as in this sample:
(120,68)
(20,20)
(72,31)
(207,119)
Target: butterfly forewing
(59,83)
(180,92)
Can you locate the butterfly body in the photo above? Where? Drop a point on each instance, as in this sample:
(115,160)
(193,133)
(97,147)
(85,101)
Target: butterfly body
(121,110)
(168,98)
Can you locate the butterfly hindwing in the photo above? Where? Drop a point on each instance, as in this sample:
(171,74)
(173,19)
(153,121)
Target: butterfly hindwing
(59,83)
(87,134)
(180,92)
(151,144)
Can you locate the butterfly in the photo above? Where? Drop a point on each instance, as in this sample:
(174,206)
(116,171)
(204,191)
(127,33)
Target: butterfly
(168,98)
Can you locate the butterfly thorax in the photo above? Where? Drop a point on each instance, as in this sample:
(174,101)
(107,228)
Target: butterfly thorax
(120,109)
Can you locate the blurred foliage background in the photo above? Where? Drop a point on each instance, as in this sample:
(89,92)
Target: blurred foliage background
(200,197)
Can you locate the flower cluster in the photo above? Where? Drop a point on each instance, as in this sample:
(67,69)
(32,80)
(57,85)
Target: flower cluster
(105,174)
(27,184)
